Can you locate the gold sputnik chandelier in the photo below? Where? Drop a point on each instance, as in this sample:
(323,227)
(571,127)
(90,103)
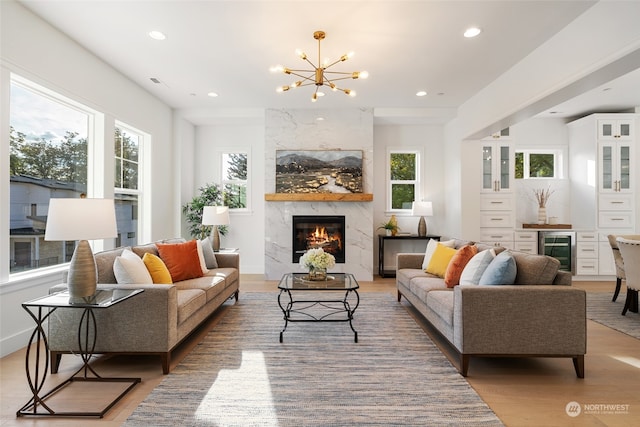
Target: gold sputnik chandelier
(319,75)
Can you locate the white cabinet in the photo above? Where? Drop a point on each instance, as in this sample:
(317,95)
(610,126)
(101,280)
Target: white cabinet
(497,167)
(615,129)
(587,249)
(497,219)
(615,165)
(526,241)
(602,168)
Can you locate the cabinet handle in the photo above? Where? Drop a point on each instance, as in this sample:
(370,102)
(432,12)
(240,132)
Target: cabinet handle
(617,219)
(588,250)
(497,203)
(616,203)
(496,219)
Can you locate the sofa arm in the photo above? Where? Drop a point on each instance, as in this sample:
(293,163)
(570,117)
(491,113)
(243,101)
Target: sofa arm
(146,322)
(520,320)
(228,260)
(406,260)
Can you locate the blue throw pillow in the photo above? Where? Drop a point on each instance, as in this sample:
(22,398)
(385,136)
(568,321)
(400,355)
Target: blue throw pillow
(501,271)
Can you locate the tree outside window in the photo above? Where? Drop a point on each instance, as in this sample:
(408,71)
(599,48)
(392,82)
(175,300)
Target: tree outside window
(234,180)
(531,164)
(403,174)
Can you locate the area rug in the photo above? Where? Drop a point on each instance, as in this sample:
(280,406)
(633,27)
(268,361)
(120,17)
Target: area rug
(241,375)
(601,309)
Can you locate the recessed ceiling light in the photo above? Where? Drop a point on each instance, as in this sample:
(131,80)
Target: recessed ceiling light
(157,35)
(320,119)
(421,93)
(472,32)
(212,94)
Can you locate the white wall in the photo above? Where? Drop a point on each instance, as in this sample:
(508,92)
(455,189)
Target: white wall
(33,49)
(246,231)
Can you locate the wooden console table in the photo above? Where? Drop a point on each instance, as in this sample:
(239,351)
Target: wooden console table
(381,239)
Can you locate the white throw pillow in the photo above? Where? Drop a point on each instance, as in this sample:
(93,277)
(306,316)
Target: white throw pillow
(209,256)
(431,248)
(129,269)
(203,263)
(476,267)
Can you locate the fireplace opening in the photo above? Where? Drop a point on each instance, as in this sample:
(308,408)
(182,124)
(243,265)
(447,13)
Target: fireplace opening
(320,231)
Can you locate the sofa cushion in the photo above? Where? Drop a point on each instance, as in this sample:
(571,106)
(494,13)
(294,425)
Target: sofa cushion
(189,301)
(104,264)
(229,274)
(210,284)
(535,269)
(157,268)
(431,247)
(421,286)
(440,260)
(209,256)
(181,259)
(150,248)
(441,303)
(501,271)
(457,264)
(476,266)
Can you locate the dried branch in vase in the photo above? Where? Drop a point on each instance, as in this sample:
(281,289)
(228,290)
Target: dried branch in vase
(543,195)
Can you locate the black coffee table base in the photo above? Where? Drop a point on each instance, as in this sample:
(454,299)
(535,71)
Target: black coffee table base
(318,310)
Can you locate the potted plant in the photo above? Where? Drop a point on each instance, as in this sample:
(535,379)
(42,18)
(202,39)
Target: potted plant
(390,226)
(210,195)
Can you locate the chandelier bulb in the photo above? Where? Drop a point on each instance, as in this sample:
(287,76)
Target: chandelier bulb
(301,54)
(282,89)
(277,69)
(295,84)
(314,97)
(350,92)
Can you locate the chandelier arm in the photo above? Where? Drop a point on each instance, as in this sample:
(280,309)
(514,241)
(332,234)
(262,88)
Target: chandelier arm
(310,63)
(340,72)
(301,76)
(333,63)
(338,78)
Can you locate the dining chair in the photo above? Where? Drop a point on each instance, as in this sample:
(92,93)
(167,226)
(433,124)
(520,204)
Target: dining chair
(630,252)
(617,258)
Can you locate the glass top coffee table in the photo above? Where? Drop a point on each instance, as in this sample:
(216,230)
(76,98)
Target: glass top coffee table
(332,300)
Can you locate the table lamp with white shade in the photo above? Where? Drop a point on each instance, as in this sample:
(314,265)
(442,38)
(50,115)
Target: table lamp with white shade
(215,216)
(422,209)
(81,219)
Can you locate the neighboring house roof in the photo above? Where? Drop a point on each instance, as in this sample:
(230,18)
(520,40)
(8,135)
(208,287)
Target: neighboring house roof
(49,183)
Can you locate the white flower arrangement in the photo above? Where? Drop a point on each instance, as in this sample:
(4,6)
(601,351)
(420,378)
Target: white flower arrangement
(317,259)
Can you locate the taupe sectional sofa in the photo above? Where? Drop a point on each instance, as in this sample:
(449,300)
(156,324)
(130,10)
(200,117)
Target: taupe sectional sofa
(541,315)
(153,322)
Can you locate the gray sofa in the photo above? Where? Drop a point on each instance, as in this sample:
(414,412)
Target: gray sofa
(541,315)
(153,322)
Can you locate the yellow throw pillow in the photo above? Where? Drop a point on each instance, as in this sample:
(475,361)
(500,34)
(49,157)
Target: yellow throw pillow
(440,260)
(157,268)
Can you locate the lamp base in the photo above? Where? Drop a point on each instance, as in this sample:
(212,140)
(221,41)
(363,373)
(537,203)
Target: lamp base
(422,227)
(83,275)
(215,238)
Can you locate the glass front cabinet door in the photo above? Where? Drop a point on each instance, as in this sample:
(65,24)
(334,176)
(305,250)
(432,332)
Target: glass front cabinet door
(497,165)
(615,167)
(615,130)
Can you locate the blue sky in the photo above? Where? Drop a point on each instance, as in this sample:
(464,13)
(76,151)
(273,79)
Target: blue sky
(38,116)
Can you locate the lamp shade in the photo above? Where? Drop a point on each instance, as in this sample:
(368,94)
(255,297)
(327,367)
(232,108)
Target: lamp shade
(422,209)
(81,219)
(215,215)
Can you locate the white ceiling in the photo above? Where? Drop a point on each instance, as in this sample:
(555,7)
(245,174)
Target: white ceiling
(228,47)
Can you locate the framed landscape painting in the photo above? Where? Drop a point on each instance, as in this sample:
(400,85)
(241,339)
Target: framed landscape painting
(319,171)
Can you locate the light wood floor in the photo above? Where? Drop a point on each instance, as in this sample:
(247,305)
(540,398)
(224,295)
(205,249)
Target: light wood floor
(522,392)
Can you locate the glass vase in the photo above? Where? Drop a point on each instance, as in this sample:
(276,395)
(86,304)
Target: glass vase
(317,274)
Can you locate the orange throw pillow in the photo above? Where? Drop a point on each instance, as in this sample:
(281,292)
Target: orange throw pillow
(181,259)
(457,264)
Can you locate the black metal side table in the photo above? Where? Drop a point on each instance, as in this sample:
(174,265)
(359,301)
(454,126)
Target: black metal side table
(381,239)
(40,310)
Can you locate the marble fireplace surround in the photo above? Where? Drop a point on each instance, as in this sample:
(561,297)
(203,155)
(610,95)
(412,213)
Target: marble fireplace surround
(347,129)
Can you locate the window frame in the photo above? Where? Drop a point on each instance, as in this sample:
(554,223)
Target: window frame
(92,117)
(143,144)
(417,182)
(558,162)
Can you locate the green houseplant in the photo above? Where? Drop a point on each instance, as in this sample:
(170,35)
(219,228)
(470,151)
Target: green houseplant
(210,195)
(390,226)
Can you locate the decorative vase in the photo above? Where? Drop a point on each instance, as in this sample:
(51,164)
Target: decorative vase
(542,215)
(393,221)
(317,274)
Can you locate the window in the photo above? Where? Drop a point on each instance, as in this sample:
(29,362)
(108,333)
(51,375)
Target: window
(234,179)
(128,145)
(538,164)
(403,174)
(48,140)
